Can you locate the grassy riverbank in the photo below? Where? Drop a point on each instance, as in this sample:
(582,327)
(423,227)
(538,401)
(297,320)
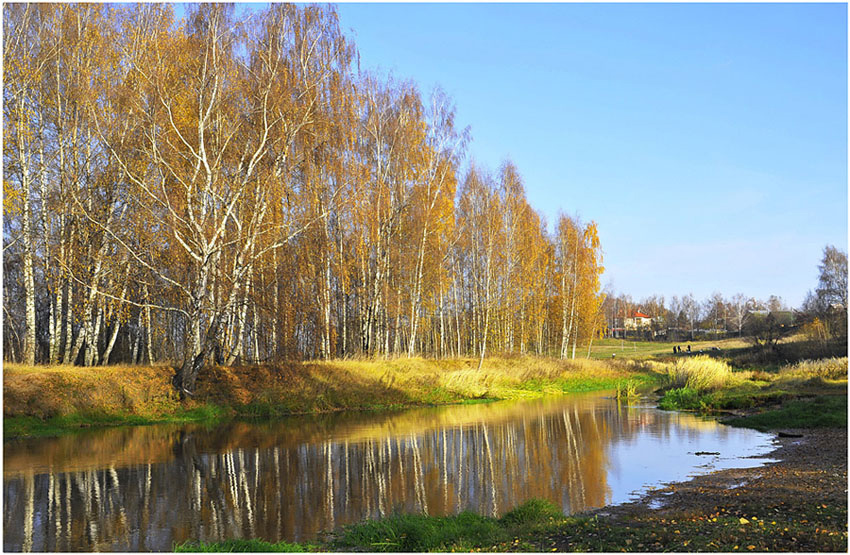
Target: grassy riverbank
(806,394)
(43,401)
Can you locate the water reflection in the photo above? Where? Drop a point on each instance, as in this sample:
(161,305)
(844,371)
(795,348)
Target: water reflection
(145,488)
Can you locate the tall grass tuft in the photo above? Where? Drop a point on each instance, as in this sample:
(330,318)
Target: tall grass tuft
(834,368)
(699,373)
(627,389)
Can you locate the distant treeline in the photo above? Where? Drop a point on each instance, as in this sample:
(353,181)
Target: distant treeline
(225,189)
(823,313)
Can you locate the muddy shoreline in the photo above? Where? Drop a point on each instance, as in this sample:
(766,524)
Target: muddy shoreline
(797,503)
(814,462)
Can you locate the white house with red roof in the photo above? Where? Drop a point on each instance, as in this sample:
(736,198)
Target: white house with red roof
(637,321)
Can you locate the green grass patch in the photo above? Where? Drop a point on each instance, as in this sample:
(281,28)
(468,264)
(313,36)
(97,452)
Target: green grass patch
(735,399)
(821,412)
(682,398)
(423,533)
(583,385)
(531,513)
(685,398)
(463,532)
(242,546)
(442,396)
(30,426)
(586,384)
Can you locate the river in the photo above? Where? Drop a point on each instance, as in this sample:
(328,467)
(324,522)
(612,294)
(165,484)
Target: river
(145,488)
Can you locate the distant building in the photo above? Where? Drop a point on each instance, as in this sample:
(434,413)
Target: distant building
(637,321)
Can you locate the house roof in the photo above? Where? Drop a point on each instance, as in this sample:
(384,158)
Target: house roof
(637,314)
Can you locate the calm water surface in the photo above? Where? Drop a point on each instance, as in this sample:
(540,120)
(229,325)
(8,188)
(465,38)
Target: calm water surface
(144,488)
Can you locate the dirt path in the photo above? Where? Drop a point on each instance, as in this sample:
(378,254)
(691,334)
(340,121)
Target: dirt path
(798,503)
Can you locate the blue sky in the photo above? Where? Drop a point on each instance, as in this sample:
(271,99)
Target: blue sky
(709,141)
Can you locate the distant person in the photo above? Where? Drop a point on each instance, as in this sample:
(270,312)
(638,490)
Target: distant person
(674,349)
(689,348)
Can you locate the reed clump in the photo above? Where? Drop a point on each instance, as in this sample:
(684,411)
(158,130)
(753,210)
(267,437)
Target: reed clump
(627,389)
(699,373)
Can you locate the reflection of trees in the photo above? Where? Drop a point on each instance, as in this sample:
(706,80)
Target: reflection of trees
(263,485)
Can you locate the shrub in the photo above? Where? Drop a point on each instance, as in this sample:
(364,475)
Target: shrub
(700,373)
(815,330)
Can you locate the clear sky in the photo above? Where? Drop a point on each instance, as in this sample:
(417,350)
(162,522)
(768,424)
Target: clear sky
(709,141)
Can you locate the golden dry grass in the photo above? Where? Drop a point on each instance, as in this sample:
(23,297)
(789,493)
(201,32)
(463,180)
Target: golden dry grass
(700,373)
(294,387)
(58,390)
(639,350)
(834,368)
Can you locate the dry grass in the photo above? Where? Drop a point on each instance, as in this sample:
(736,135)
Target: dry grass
(622,348)
(49,391)
(700,373)
(834,368)
(291,388)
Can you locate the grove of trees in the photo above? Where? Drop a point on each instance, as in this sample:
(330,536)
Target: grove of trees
(224,189)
